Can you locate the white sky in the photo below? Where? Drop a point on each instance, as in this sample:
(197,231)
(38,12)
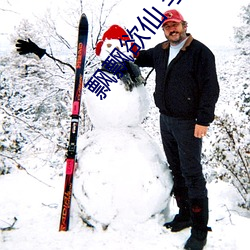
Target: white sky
(210,21)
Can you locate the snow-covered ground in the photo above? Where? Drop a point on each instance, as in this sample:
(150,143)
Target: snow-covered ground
(30,208)
(33,198)
(37,208)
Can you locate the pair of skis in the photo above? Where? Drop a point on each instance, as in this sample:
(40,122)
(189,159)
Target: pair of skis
(71,160)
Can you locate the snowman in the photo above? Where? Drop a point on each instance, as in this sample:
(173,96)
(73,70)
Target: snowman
(122,178)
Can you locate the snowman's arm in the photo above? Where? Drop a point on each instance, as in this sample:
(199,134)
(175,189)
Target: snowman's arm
(25,47)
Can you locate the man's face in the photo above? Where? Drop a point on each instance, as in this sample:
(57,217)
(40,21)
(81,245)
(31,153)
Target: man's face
(174,32)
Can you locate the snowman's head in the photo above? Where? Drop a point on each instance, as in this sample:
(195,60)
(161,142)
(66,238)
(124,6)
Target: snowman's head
(114,37)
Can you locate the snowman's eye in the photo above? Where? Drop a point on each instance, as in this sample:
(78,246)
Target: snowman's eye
(109,45)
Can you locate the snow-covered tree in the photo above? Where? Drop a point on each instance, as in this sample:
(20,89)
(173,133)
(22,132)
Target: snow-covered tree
(230,154)
(36,95)
(242,33)
(34,104)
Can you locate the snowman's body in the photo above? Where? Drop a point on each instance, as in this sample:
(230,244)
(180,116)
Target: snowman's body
(122,177)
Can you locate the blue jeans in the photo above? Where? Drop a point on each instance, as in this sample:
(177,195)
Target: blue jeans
(183,152)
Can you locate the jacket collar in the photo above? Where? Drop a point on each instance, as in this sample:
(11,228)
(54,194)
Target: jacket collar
(166,44)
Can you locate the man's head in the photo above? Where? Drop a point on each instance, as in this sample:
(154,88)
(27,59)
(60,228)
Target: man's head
(174,27)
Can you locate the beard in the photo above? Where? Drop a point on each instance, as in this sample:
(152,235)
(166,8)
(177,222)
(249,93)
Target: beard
(176,37)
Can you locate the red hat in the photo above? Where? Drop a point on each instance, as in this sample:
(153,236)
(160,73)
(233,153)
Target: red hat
(173,16)
(114,32)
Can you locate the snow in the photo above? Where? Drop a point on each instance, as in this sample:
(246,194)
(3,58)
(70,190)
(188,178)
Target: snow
(121,180)
(120,108)
(37,208)
(34,198)
(122,177)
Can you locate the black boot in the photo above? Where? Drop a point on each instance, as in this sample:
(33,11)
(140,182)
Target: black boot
(197,240)
(182,220)
(199,215)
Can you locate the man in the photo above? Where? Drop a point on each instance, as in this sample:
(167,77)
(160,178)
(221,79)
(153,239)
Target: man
(186,93)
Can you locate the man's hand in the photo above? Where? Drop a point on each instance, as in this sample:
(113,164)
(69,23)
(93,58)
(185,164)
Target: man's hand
(24,47)
(200,131)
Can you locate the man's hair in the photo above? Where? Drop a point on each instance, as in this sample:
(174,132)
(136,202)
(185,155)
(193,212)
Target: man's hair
(184,23)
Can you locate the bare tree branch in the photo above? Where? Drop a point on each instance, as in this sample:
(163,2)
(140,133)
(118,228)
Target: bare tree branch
(57,60)
(102,23)
(30,127)
(10,227)
(19,166)
(1,9)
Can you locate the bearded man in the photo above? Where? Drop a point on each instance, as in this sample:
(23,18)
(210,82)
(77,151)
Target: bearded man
(186,92)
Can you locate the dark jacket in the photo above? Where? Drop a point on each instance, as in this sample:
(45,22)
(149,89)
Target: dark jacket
(188,87)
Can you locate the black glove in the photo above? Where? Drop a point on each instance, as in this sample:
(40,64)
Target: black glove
(129,74)
(24,47)
(135,73)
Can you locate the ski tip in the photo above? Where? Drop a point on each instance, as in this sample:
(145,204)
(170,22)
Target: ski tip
(83,16)
(83,20)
